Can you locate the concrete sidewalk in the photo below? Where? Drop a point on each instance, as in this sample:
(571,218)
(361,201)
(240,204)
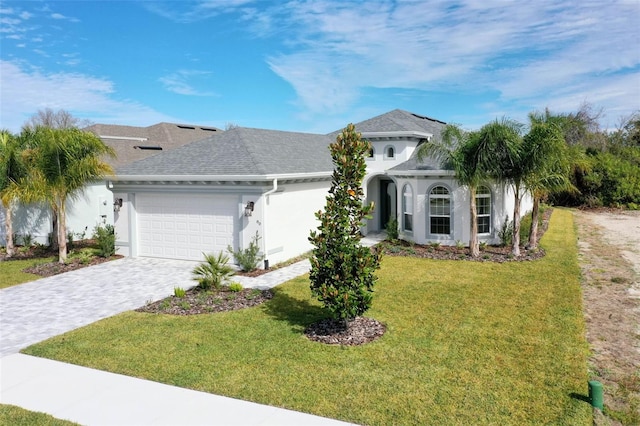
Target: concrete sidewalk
(93,397)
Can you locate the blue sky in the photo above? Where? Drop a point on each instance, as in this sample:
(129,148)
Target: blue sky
(315,66)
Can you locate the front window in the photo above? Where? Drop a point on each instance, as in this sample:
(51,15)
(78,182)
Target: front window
(407,208)
(439,211)
(483,207)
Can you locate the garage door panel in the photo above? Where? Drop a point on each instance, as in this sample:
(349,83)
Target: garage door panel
(185,226)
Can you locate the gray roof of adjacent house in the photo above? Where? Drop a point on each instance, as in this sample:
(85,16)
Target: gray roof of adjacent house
(399,121)
(240,151)
(135,143)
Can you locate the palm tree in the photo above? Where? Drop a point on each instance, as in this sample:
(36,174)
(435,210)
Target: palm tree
(458,149)
(61,163)
(500,153)
(551,163)
(11,173)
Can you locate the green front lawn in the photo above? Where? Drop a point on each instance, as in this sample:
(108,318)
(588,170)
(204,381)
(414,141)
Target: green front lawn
(466,343)
(16,416)
(12,271)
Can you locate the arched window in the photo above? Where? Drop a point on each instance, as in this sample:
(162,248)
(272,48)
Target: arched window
(371,152)
(407,208)
(439,211)
(389,152)
(483,207)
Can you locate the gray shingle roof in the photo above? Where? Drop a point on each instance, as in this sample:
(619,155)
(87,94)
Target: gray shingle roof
(241,151)
(398,121)
(165,135)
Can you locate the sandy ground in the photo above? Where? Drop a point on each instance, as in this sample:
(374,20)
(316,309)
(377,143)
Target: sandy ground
(609,247)
(623,231)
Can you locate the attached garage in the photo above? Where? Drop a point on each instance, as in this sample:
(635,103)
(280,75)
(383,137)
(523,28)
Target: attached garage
(183,226)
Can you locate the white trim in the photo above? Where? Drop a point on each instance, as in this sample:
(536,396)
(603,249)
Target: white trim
(396,134)
(124,138)
(223,178)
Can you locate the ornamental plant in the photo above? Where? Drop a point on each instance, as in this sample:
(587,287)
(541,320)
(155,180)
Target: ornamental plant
(342,270)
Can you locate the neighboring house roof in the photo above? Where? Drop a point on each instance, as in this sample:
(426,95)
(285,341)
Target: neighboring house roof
(135,143)
(240,151)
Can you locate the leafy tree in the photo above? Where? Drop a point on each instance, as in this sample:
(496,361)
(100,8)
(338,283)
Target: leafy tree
(342,270)
(459,150)
(11,173)
(61,162)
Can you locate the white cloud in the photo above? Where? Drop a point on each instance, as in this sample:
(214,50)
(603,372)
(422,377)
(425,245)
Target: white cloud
(24,91)
(525,52)
(181,82)
(61,17)
(187,12)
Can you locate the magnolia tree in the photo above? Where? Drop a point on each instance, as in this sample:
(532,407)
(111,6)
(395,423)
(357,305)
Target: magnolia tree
(342,270)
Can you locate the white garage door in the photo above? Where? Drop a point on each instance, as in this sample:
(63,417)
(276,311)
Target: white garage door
(183,226)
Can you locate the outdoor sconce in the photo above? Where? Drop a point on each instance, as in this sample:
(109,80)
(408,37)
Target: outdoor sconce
(248,210)
(117,204)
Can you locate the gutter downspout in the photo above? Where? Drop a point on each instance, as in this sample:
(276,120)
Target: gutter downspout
(265,222)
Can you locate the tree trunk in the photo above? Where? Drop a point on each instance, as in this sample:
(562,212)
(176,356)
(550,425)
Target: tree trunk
(54,229)
(533,235)
(474,246)
(515,248)
(11,250)
(62,231)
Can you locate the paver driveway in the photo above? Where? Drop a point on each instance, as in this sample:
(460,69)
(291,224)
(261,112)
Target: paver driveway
(38,310)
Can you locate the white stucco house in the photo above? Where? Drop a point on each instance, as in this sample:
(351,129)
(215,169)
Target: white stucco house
(217,192)
(95,204)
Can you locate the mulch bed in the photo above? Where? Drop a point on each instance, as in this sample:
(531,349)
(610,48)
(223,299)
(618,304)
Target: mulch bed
(359,331)
(198,301)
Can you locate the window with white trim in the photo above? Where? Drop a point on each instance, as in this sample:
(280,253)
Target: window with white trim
(483,207)
(407,208)
(389,152)
(439,211)
(371,152)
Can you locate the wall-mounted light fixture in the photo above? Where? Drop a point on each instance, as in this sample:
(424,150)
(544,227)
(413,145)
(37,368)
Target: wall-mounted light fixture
(248,210)
(117,204)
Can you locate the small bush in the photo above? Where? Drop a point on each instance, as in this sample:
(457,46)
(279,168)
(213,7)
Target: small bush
(213,272)
(105,237)
(179,292)
(392,229)
(248,258)
(235,287)
(27,240)
(506,232)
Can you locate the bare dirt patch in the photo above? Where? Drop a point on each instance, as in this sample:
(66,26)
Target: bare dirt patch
(609,245)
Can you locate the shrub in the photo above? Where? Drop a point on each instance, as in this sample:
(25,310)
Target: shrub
(179,292)
(235,287)
(392,229)
(342,270)
(105,237)
(506,232)
(27,240)
(213,272)
(248,258)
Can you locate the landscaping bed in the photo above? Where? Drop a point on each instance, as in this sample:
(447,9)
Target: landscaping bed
(198,301)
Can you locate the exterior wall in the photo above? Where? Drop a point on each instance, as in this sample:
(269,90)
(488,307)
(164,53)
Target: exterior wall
(501,205)
(291,217)
(94,206)
(379,162)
